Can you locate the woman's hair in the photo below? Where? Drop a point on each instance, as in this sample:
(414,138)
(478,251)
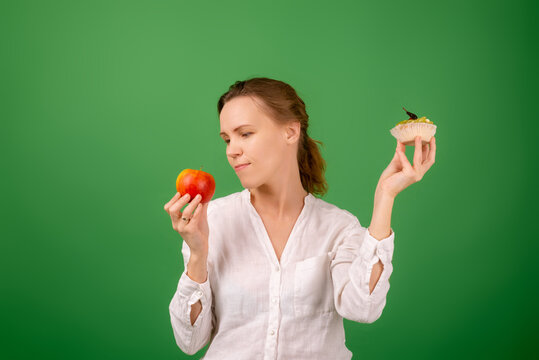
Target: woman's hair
(284,105)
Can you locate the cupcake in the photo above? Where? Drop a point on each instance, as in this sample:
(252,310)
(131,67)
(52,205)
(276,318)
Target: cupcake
(407,130)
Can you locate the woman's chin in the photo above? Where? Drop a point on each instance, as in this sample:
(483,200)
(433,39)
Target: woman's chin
(247,184)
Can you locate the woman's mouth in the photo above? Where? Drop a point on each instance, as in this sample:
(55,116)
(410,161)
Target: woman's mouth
(239,167)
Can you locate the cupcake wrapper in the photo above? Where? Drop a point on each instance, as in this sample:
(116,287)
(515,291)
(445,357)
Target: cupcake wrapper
(406,133)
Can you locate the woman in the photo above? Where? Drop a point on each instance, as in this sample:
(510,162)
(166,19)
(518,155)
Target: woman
(271,271)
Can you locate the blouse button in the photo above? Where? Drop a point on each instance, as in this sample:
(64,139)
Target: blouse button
(199,293)
(272,332)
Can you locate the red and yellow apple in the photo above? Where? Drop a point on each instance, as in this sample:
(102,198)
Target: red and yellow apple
(196,182)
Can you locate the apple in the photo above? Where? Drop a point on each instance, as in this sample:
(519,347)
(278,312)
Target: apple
(196,182)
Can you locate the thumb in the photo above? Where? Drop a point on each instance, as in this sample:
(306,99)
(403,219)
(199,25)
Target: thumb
(394,164)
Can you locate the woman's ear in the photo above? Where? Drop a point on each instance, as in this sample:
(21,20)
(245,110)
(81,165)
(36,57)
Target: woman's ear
(293,130)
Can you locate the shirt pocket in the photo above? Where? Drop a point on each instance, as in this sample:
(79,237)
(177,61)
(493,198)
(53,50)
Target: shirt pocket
(313,288)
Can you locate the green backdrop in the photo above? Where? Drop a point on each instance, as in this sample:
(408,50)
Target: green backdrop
(105,102)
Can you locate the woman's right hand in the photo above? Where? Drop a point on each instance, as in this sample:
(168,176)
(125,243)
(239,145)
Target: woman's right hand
(194,232)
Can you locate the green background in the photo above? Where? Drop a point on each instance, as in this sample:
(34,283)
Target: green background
(103,103)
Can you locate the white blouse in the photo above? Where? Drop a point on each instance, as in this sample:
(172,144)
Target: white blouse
(255,307)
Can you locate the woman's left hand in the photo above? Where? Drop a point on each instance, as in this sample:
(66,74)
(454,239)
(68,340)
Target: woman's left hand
(399,174)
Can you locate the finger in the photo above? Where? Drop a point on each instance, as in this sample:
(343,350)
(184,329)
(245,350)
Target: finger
(425,152)
(197,212)
(401,146)
(432,153)
(394,163)
(188,211)
(174,209)
(404,160)
(396,158)
(172,201)
(417,152)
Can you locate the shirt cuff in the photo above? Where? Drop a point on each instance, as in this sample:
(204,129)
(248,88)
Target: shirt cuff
(193,292)
(383,248)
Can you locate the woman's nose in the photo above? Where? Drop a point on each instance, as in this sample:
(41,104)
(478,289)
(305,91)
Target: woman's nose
(232,149)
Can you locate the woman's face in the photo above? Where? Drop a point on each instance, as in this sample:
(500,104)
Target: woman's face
(253,138)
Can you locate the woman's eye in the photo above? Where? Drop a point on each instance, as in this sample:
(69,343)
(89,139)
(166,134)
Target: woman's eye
(227,141)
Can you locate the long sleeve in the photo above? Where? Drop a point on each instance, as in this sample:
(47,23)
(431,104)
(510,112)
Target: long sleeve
(191,338)
(351,267)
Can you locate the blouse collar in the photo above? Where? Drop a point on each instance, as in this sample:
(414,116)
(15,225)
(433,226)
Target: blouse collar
(246,195)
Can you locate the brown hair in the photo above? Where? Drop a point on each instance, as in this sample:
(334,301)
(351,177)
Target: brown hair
(283,105)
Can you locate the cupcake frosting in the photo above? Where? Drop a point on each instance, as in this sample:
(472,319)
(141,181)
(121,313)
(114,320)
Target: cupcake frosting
(413,119)
(422,119)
